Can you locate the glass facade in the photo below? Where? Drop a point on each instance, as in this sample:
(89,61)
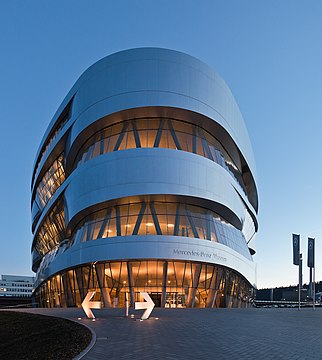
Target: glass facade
(160,218)
(50,182)
(62,121)
(169,283)
(52,231)
(159,133)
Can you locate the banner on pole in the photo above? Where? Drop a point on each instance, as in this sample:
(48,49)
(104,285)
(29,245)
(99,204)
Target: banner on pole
(310,253)
(296,249)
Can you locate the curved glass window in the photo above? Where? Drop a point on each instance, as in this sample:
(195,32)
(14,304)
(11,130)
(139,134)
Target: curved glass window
(63,119)
(50,182)
(158,132)
(170,284)
(52,231)
(160,218)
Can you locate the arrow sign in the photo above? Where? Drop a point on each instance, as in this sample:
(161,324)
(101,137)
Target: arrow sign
(148,304)
(87,304)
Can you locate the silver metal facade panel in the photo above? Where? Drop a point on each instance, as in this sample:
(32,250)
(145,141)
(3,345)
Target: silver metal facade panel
(130,80)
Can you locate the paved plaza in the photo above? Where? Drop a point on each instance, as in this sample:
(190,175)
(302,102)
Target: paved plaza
(255,333)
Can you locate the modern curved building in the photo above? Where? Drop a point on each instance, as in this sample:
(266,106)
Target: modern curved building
(144,181)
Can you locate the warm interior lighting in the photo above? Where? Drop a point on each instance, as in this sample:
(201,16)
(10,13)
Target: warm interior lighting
(207,145)
(205,227)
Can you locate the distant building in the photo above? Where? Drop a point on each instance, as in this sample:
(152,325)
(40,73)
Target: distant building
(16,286)
(286,293)
(318,296)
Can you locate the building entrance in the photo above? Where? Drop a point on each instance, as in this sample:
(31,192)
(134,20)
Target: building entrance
(174,300)
(156,298)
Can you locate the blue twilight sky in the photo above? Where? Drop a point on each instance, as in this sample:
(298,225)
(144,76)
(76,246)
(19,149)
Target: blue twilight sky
(269,52)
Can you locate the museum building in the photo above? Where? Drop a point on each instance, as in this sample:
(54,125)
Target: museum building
(145,181)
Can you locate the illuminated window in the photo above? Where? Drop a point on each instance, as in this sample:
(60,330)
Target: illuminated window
(159,133)
(50,182)
(52,231)
(170,284)
(62,120)
(160,218)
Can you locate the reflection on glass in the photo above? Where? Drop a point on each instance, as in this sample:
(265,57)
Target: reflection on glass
(160,218)
(52,231)
(50,182)
(159,132)
(63,119)
(171,284)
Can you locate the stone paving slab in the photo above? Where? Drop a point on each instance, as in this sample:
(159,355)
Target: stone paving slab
(203,333)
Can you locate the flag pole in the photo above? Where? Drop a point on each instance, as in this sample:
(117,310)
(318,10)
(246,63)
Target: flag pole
(297,260)
(311,265)
(314,277)
(300,280)
(313,288)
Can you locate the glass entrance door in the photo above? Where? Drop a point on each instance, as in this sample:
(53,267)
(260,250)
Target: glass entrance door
(156,298)
(175,300)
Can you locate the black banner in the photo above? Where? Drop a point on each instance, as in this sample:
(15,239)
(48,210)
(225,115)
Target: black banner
(296,249)
(310,253)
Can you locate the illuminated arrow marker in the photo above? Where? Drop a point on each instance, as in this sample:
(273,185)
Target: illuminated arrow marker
(87,304)
(148,304)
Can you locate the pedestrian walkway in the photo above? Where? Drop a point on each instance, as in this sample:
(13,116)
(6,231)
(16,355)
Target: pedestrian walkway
(202,333)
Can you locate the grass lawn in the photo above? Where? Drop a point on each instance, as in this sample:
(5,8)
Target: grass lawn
(30,336)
